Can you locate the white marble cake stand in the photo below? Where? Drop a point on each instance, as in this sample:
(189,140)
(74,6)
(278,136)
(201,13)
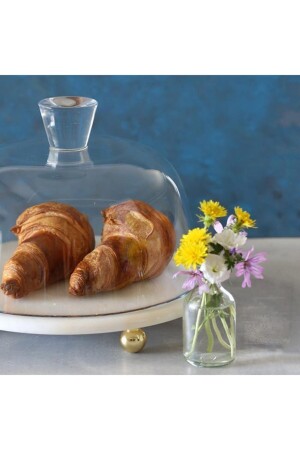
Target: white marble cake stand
(54,311)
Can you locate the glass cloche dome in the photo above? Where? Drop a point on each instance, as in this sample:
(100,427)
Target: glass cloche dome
(112,172)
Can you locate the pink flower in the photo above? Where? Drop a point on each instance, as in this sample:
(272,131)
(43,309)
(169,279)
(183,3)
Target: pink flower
(195,278)
(218,227)
(250,266)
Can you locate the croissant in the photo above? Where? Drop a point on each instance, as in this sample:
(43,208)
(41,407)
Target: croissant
(53,238)
(137,243)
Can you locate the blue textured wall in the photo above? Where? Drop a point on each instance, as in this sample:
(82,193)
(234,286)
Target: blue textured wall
(235,139)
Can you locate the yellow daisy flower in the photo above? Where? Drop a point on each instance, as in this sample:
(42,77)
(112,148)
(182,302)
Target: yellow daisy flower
(190,255)
(193,248)
(211,210)
(243,218)
(195,235)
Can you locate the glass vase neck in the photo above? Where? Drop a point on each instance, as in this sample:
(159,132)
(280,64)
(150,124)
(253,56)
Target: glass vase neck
(215,287)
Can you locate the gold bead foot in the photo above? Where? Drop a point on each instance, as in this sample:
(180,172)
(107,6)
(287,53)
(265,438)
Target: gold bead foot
(133,341)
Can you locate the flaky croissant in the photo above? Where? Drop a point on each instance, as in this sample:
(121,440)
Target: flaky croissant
(137,243)
(53,237)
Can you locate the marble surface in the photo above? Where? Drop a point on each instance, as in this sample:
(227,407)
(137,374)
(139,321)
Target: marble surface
(55,300)
(268,334)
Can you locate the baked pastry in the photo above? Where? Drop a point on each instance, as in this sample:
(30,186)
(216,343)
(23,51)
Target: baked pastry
(52,239)
(137,243)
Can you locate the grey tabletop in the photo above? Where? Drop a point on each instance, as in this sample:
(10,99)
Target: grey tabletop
(268,333)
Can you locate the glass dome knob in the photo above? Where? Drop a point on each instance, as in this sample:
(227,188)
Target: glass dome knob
(68,122)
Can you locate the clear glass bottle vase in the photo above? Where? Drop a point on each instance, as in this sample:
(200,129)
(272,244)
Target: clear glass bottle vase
(209,327)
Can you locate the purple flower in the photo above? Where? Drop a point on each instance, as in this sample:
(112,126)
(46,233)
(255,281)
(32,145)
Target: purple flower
(250,266)
(231,220)
(195,277)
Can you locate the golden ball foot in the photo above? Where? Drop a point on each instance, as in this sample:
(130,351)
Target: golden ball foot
(133,341)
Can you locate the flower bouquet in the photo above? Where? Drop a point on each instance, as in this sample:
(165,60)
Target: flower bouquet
(210,259)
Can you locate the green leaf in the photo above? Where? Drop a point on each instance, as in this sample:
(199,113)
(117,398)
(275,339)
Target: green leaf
(216,248)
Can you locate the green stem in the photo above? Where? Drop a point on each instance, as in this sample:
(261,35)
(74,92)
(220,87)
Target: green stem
(232,329)
(218,334)
(197,327)
(197,333)
(230,339)
(210,336)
